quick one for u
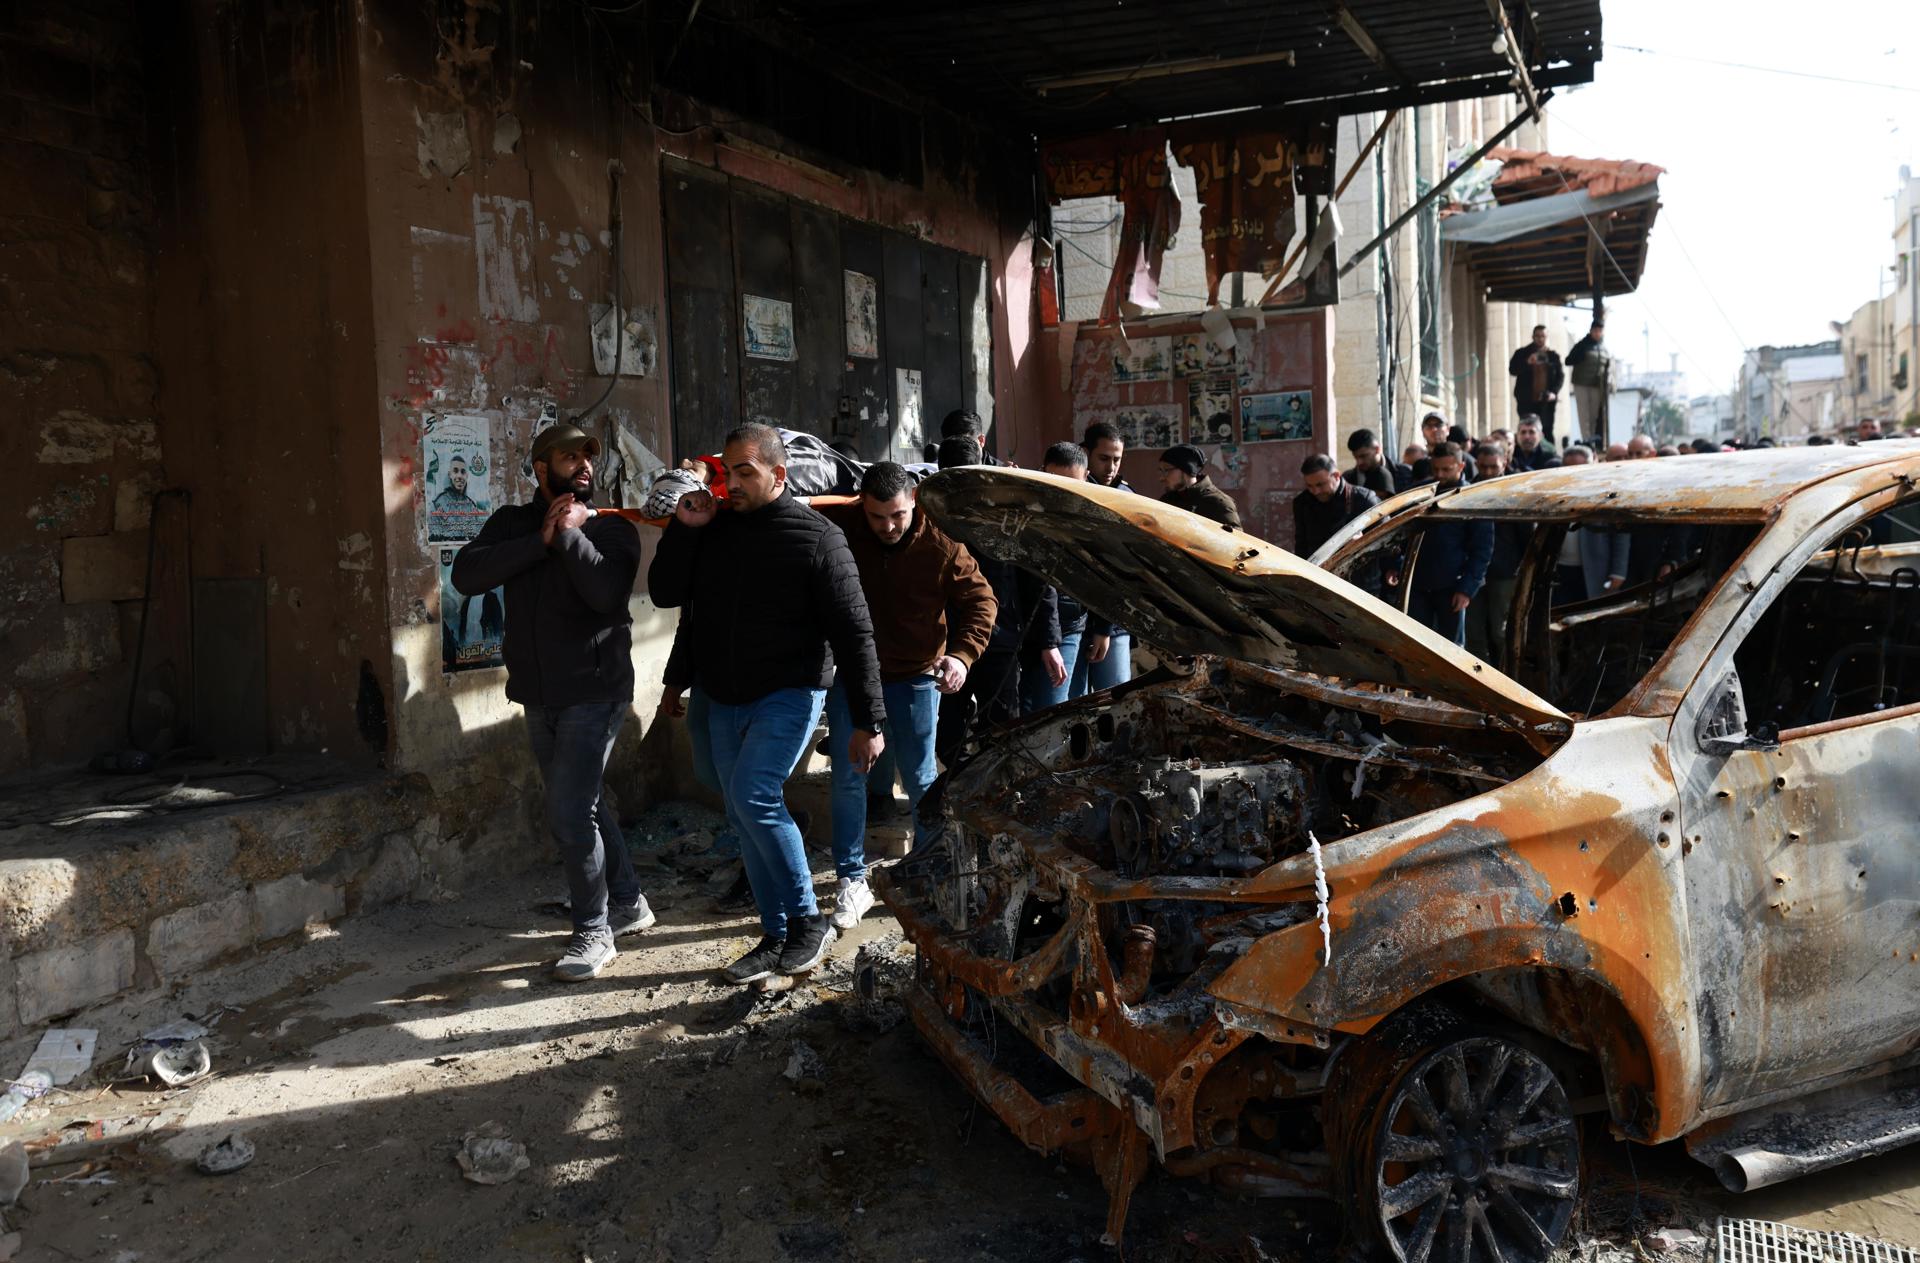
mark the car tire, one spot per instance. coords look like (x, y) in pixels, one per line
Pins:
(1451, 1140)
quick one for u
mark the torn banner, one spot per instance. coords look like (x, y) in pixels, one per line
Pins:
(1247, 182)
(1132, 167)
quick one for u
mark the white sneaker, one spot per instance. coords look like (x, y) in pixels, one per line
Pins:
(854, 899)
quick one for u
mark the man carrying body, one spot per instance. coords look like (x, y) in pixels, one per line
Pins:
(1372, 470)
(1529, 453)
(915, 576)
(1027, 609)
(1328, 503)
(1453, 559)
(1537, 379)
(568, 574)
(1106, 652)
(1189, 488)
(1591, 364)
(769, 585)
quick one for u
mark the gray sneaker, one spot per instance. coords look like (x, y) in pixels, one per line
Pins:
(631, 919)
(588, 952)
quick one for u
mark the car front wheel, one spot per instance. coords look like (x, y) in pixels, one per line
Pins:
(1463, 1147)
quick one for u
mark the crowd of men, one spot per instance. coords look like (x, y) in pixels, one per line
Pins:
(812, 589)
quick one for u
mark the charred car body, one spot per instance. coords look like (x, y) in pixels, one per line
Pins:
(1327, 906)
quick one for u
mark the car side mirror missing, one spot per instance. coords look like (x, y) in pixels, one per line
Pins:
(1723, 726)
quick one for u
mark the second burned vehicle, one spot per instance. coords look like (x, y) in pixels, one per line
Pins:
(1328, 906)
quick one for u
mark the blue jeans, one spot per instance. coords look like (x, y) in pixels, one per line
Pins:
(1037, 691)
(1435, 609)
(755, 747)
(699, 735)
(571, 745)
(1115, 668)
(913, 712)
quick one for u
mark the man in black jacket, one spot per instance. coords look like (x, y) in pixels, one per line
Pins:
(769, 586)
(1373, 470)
(568, 575)
(1328, 503)
(1537, 379)
(1529, 452)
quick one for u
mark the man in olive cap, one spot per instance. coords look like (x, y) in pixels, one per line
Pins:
(1188, 487)
(568, 574)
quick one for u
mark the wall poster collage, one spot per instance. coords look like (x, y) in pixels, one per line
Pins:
(1212, 385)
(459, 485)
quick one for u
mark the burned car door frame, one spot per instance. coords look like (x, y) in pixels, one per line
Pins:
(1803, 859)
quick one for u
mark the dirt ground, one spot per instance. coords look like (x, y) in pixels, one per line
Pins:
(659, 1120)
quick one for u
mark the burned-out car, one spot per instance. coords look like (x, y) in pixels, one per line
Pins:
(1325, 905)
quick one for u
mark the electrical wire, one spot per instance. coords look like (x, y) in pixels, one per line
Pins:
(1673, 230)
(1766, 70)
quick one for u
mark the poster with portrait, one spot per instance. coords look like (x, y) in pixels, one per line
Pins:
(1210, 408)
(1280, 416)
(863, 317)
(471, 627)
(1196, 354)
(1155, 427)
(1142, 360)
(766, 325)
(457, 477)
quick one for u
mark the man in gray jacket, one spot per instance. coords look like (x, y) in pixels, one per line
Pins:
(567, 645)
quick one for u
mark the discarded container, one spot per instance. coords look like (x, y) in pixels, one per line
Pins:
(487, 1156)
(226, 1156)
(176, 1064)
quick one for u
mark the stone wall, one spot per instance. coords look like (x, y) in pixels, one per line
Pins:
(77, 382)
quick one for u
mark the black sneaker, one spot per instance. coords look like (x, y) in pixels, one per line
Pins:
(807, 941)
(756, 964)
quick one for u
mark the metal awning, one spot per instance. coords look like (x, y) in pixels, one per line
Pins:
(1058, 68)
(1560, 227)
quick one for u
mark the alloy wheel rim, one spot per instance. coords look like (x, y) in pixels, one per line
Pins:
(1477, 1157)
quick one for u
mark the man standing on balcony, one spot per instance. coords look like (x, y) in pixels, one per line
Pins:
(1537, 379)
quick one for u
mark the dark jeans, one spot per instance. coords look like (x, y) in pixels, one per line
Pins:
(912, 706)
(988, 700)
(571, 744)
(1435, 609)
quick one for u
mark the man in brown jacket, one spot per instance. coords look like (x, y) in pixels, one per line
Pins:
(933, 614)
(1183, 474)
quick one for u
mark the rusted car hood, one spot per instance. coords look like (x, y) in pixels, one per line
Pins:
(1193, 586)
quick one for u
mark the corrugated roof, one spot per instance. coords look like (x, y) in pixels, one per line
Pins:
(1563, 261)
(996, 57)
(1526, 173)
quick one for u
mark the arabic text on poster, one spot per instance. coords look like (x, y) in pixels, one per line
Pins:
(767, 325)
(471, 627)
(459, 476)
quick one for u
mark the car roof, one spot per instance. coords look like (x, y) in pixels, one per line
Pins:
(1715, 487)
